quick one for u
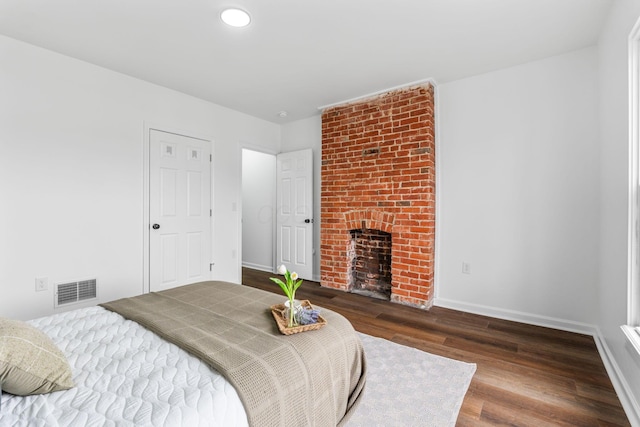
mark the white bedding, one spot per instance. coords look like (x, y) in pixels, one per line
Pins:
(125, 375)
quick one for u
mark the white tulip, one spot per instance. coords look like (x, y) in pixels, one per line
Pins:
(294, 276)
(282, 269)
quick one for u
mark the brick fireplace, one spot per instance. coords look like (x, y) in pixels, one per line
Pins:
(378, 192)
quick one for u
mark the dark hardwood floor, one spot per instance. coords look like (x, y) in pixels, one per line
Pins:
(526, 375)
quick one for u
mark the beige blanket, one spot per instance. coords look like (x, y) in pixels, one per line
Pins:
(313, 378)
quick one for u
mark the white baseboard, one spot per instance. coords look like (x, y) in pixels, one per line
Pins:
(627, 399)
(620, 384)
(518, 316)
(267, 268)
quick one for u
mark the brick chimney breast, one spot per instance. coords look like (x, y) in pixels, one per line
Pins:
(378, 180)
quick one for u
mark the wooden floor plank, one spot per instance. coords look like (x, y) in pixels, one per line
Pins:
(526, 375)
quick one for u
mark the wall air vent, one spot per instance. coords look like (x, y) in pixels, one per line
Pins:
(73, 292)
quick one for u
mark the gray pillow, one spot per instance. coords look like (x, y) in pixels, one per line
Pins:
(30, 363)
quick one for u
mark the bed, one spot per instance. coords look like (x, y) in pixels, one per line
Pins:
(207, 354)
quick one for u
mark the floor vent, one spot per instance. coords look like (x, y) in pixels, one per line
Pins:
(72, 292)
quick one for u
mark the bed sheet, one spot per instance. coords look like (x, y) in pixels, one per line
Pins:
(125, 375)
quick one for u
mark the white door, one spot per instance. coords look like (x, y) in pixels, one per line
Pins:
(294, 222)
(179, 210)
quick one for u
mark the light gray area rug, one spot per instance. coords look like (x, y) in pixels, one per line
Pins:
(408, 387)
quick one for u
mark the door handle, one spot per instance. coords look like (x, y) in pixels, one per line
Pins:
(307, 221)
(155, 226)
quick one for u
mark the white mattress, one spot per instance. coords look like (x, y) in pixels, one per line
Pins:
(125, 375)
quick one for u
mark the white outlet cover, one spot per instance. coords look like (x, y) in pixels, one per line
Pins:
(42, 284)
(466, 268)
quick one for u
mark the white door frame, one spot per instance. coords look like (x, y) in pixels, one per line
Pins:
(146, 193)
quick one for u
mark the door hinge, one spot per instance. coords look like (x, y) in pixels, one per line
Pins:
(210, 212)
(210, 158)
(211, 266)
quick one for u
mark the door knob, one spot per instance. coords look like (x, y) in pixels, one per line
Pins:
(307, 221)
(155, 226)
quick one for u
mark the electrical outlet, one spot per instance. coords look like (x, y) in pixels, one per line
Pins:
(42, 284)
(466, 268)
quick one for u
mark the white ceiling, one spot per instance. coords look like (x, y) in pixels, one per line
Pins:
(298, 55)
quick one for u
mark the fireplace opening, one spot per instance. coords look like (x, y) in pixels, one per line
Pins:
(370, 263)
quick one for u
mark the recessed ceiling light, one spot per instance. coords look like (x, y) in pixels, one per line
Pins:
(235, 17)
(282, 114)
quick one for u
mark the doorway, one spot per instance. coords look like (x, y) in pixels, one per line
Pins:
(277, 211)
(258, 207)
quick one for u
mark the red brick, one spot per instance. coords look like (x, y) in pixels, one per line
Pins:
(378, 166)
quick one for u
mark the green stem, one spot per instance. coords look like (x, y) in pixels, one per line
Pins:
(291, 313)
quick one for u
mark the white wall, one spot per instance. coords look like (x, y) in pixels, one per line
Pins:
(614, 184)
(298, 135)
(519, 201)
(258, 199)
(71, 179)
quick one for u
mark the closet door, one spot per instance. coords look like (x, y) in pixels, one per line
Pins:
(179, 211)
